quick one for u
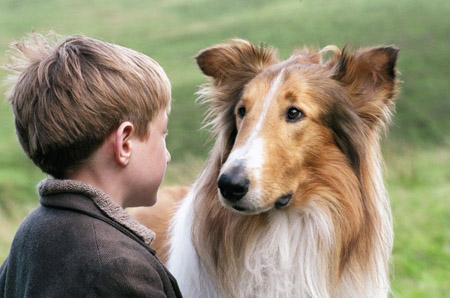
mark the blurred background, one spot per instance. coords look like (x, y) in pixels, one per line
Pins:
(416, 150)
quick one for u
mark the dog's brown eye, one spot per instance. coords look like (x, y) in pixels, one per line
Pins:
(241, 112)
(293, 114)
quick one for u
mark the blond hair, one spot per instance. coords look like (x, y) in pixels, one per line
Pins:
(69, 94)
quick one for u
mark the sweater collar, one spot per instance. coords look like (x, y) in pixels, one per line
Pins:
(102, 200)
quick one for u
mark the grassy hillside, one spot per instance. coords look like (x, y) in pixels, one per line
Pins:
(173, 31)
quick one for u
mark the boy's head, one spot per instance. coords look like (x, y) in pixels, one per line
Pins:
(69, 95)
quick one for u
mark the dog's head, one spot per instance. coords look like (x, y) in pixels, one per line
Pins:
(295, 128)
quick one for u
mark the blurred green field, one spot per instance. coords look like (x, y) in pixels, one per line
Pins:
(172, 31)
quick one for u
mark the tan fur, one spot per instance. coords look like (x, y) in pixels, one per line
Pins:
(157, 217)
(329, 161)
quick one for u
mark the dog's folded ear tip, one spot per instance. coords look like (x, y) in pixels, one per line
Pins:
(391, 51)
(203, 59)
(234, 56)
(199, 58)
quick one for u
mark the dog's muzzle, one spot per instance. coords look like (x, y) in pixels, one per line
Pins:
(233, 186)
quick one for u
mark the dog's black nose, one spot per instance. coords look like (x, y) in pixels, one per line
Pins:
(233, 186)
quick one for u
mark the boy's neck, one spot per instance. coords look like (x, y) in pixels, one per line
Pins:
(101, 173)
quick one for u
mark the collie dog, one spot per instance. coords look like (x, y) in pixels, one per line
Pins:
(291, 202)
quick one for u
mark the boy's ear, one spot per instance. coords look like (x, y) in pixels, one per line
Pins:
(122, 143)
(238, 59)
(370, 76)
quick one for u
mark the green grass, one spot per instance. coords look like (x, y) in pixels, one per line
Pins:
(418, 183)
(173, 31)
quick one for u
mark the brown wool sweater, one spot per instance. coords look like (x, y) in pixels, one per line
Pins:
(80, 243)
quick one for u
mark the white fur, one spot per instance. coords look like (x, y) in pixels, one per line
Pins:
(252, 152)
(274, 86)
(251, 155)
(291, 255)
(184, 263)
(287, 258)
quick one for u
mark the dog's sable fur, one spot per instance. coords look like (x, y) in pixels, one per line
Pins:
(334, 237)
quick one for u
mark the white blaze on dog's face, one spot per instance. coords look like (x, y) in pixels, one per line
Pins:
(297, 128)
(248, 157)
(262, 171)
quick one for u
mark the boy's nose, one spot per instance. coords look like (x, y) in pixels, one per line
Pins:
(169, 157)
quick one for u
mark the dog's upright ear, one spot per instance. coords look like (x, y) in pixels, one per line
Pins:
(238, 60)
(371, 78)
(230, 67)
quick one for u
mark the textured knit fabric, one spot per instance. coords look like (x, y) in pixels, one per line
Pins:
(79, 243)
(102, 200)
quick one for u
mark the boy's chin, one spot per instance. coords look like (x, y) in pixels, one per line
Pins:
(142, 202)
(149, 202)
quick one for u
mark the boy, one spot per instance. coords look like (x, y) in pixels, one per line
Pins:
(94, 116)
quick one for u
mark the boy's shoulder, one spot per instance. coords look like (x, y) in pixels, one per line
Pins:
(71, 244)
(77, 229)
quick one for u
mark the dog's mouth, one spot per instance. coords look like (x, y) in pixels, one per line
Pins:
(280, 203)
(283, 201)
(239, 208)
(248, 210)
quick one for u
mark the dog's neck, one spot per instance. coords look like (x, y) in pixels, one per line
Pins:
(285, 253)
